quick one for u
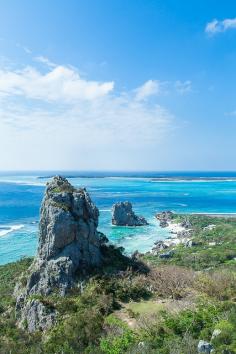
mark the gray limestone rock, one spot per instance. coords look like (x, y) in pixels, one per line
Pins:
(167, 255)
(158, 247)
(69, 243)
(123, 215)
(36, 316)
(164, 218)
(204, 347)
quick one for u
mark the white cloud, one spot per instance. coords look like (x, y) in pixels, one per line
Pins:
(60, 84)
(217, 26)
(149, 88)
(59, 120)
(183, 87)
(45, 60)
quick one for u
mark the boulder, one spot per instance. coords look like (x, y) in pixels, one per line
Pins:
(186, 224)
(204, 347)
(164, 218)
(184, 234)
(123, 215)
(158, 247)
(163, 223)
(190, 243)
(69, 244)
(166, 255)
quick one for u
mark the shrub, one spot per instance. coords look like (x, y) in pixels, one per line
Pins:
(219, 284)
(226, 336)
(119, 338)
(127, 286)
(171, 281)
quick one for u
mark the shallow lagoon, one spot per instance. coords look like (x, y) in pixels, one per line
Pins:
(21, 195)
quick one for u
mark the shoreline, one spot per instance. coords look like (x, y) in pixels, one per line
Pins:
(179, 232)
(214, 215)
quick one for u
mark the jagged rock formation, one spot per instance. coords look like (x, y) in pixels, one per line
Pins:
(159, 246)
(164, 218)
(123, 215)
(69, 244)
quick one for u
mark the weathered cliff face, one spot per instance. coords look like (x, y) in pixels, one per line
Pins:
(123, 215)
(68, 225)
(68, 244)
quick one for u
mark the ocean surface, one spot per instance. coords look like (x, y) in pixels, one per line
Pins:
(182, 192)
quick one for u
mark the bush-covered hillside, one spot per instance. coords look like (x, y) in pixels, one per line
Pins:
(165, 307)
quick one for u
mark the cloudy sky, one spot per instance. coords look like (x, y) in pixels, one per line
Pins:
(117, 85)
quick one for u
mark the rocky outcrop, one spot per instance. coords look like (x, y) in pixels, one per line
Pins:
(69, 244)
(204, 347)
(123, 215)
(158, 247)
(166, 255)
(164, 218)
(186, 223)
(36, 316)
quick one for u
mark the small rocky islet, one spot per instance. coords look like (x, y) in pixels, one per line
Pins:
(81, 294)
(123, 215)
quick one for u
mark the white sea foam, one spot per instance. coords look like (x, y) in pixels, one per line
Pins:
(4, 230)
(192, 180)
(129, 178)
(25, 183)
(212, 213)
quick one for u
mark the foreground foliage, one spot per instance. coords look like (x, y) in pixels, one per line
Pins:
(164, 308)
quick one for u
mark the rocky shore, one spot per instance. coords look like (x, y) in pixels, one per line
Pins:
(180, 233)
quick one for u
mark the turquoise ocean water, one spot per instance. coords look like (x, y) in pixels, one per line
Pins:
(185, 192)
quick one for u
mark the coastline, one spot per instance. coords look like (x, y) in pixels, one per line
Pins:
(180, 232)
(215, 215)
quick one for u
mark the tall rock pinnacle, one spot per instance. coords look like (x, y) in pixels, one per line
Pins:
(68, 225)
(69, 244)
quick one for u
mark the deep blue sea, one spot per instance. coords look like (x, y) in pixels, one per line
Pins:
(182, 192)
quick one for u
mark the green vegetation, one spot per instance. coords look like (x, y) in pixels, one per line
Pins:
(214, 247)
(161, 307)
(9, 275)
(63, 206)
(143, 307)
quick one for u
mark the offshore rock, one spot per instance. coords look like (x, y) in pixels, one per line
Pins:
(69, 243)
(123, 215)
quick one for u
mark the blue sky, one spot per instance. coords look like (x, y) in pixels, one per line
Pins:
(117, 85)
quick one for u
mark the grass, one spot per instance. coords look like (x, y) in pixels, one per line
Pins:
(145, 307)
